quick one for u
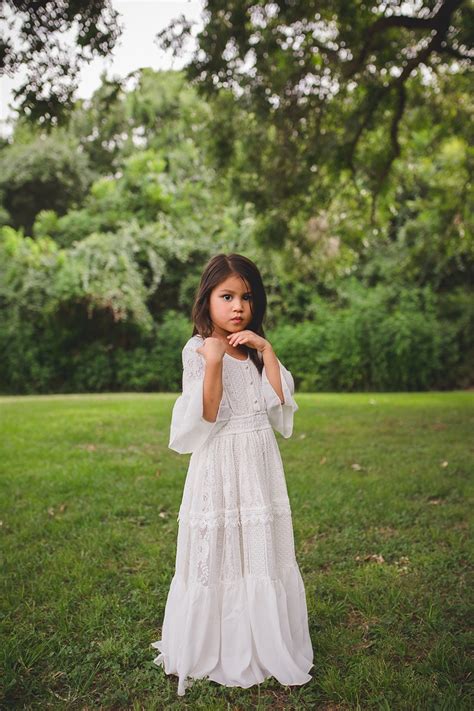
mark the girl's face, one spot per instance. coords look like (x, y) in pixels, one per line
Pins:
(230, 299)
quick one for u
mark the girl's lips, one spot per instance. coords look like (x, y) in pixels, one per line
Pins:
(237, 320)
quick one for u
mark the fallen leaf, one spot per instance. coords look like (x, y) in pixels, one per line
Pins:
(386, 530)
(402, 564)
(375, 557)
(363, 645)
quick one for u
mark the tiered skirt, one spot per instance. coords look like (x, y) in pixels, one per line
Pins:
(236, 609)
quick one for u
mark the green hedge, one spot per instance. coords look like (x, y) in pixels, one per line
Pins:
(378, 339)
(385, 339)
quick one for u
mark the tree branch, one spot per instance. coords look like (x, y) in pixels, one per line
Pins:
(438, 22)
(369, 110)
(394, 146)
(435, 45)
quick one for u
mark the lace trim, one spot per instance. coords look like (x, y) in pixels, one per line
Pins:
(193, 364)
(234, 517)
(204, 538)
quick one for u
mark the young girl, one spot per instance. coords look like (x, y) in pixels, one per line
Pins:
(236, 608)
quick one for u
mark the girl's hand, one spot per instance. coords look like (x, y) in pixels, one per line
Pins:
(250, 339)
(212, 349)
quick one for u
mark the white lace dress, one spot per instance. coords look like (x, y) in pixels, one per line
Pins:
(236, 607)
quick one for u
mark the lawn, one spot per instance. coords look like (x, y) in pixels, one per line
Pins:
(379, 483)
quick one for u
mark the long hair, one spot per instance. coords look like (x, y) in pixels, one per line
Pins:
(216, 270)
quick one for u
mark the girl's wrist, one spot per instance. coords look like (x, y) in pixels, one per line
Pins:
(267, 348)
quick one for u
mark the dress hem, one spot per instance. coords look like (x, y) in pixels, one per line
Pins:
(237, 636)
(162, 661)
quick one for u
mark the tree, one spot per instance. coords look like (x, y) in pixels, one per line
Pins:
(52, 67)
(44, 172)
(324, 74)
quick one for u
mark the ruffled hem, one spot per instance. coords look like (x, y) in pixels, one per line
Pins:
(237, 633)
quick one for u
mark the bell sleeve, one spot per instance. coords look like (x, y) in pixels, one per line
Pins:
(280, 415)
(189, 430)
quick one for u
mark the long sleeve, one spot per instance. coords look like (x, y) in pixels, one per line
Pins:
(189, 430)
(280, 416)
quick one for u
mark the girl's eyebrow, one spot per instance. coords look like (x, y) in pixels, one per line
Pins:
(229, 291)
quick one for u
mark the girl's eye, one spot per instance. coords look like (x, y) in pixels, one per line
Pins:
(248, 295)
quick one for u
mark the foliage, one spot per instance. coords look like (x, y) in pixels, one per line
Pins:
(50, 69)
(374, 296)
(104, 272)
(46, 171)
(382, 339)
(388, 338)
(325, 73)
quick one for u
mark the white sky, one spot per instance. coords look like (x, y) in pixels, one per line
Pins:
(141, 21)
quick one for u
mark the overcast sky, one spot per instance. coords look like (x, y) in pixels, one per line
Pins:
(141, 20)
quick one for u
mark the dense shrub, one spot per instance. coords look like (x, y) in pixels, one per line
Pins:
(386, 338)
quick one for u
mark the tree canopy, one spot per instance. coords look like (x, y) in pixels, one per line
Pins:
(328, 76)
(33, 39)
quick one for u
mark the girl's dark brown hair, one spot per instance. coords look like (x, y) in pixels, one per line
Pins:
(216, 270)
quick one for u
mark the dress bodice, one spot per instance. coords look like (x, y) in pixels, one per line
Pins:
(246, 392)
(241, 381)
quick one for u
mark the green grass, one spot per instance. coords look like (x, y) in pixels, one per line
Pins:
(90, 495)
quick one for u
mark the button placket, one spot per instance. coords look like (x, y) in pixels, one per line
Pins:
(250, 374)
(250, 380)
